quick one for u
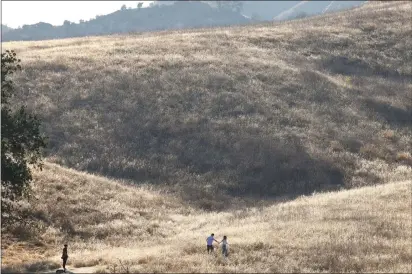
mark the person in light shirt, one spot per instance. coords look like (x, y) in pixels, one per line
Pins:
(209, 242)
(224, 246)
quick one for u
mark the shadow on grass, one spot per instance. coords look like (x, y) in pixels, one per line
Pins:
(36, 267)
(392, 115)
(205, 145)
(210, 162)
(222, 162)
(353, 66)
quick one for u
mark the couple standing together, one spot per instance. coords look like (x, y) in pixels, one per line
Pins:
(224, 243)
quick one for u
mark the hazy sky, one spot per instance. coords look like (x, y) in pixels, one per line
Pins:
(18, 13)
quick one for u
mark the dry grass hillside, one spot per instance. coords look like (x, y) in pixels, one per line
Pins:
(223, 130)
(254, 111)
(114, 227)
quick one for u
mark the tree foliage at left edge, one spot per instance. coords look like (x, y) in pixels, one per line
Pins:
(21, 142)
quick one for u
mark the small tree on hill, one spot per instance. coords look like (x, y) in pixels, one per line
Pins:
(21, 141)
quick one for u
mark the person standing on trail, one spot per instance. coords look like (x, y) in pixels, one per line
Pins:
(224, 246)
(209, 242)
(64, 257)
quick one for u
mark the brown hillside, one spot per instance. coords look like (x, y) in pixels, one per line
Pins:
(112, 227)
(262, 110)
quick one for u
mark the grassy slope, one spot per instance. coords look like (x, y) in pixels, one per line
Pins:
(259, 109)
(364, 230)
(288, 108)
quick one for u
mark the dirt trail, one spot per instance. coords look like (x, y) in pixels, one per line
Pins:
(88, 269)
(93, 269)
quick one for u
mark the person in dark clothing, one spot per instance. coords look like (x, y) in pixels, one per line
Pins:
(64, 257)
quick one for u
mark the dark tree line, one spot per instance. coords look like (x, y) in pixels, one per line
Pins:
(157, 17)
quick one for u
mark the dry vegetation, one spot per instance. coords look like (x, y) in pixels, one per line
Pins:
(263, 110)
(229, 119)
(112, 227)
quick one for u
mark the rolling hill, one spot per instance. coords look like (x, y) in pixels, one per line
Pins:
(280, 10)
(235, 131)
(182, 14)
(112, 227)
(167, 15)
(256, 111)
(268, 10)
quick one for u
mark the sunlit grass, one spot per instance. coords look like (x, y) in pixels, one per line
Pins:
(362, 230)
(222, 130)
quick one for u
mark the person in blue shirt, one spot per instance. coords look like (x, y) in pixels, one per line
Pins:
(209, 242)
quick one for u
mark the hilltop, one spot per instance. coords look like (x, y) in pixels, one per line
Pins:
(113, 227)
(157, 17)
(5, 28)
(252, 112)
(167, 15)
(280, 10)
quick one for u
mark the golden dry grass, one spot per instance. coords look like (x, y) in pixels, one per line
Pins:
(221, 118)
(359, 230)
(275, 109)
